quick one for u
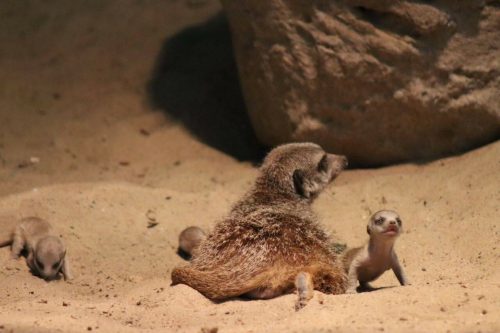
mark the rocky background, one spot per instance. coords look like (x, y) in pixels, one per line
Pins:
(379, 81)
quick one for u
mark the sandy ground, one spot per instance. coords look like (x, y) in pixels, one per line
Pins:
(114, 143)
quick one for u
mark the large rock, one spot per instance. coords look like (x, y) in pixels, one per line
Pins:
(380, 81)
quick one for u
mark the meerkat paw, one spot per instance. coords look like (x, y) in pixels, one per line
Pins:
(300, 304)
(351, 291)
(68, 277)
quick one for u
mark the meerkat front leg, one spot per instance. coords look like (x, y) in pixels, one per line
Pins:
(398, 271)
(352, 277)
(66, 270)
(365, 286)
(305, 289)
(18, 243)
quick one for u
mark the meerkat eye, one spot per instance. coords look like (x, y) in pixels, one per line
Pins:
(56, 265)
(379, 221)
(39, 264)
(323, 164)
(399, 221)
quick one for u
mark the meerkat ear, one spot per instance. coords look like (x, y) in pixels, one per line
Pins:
(299, 183)
(368, 231)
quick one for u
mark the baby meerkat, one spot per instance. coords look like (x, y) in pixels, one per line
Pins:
(46, 253)
(271, 242)
(367, 263)
(190, 238)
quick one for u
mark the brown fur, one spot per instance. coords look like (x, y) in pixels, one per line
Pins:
(271, 235)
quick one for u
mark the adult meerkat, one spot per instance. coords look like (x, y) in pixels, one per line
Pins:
(190, 238)
(367, 263)
(271, 242)
(46, 253)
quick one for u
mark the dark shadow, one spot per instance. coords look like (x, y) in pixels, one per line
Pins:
(184, 255)
(195, 81)
(360, 289)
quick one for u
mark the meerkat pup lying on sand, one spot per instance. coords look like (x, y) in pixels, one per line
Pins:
(46, 253)
(367, 263)
(271, 242)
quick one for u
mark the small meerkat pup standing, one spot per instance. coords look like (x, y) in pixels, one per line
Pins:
(190, 238)
(46, 253)
(367, 263)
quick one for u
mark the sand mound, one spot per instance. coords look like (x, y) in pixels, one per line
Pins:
(449, 209)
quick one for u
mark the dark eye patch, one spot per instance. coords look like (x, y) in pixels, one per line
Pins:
(39, 264)
(399, 221)
(56, 265)
(323, 164)
(379, 220)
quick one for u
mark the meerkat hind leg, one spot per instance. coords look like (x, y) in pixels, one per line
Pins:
(305, 289)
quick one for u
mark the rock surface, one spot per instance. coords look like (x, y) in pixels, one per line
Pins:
(380, 81)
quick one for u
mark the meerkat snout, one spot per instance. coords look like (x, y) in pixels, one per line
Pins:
(338, 163)
(340, 159)
(345, 161)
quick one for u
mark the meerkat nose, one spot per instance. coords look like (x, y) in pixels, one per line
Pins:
(345, 162)
(392, 222)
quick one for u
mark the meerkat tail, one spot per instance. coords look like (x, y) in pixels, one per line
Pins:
(215, 285)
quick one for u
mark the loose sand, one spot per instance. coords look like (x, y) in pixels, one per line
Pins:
(73, 94)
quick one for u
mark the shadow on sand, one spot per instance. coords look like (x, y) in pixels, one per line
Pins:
(195, 81)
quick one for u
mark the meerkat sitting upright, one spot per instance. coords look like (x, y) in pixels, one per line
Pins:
(271, 242)
(46, 253)
(367, 263)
